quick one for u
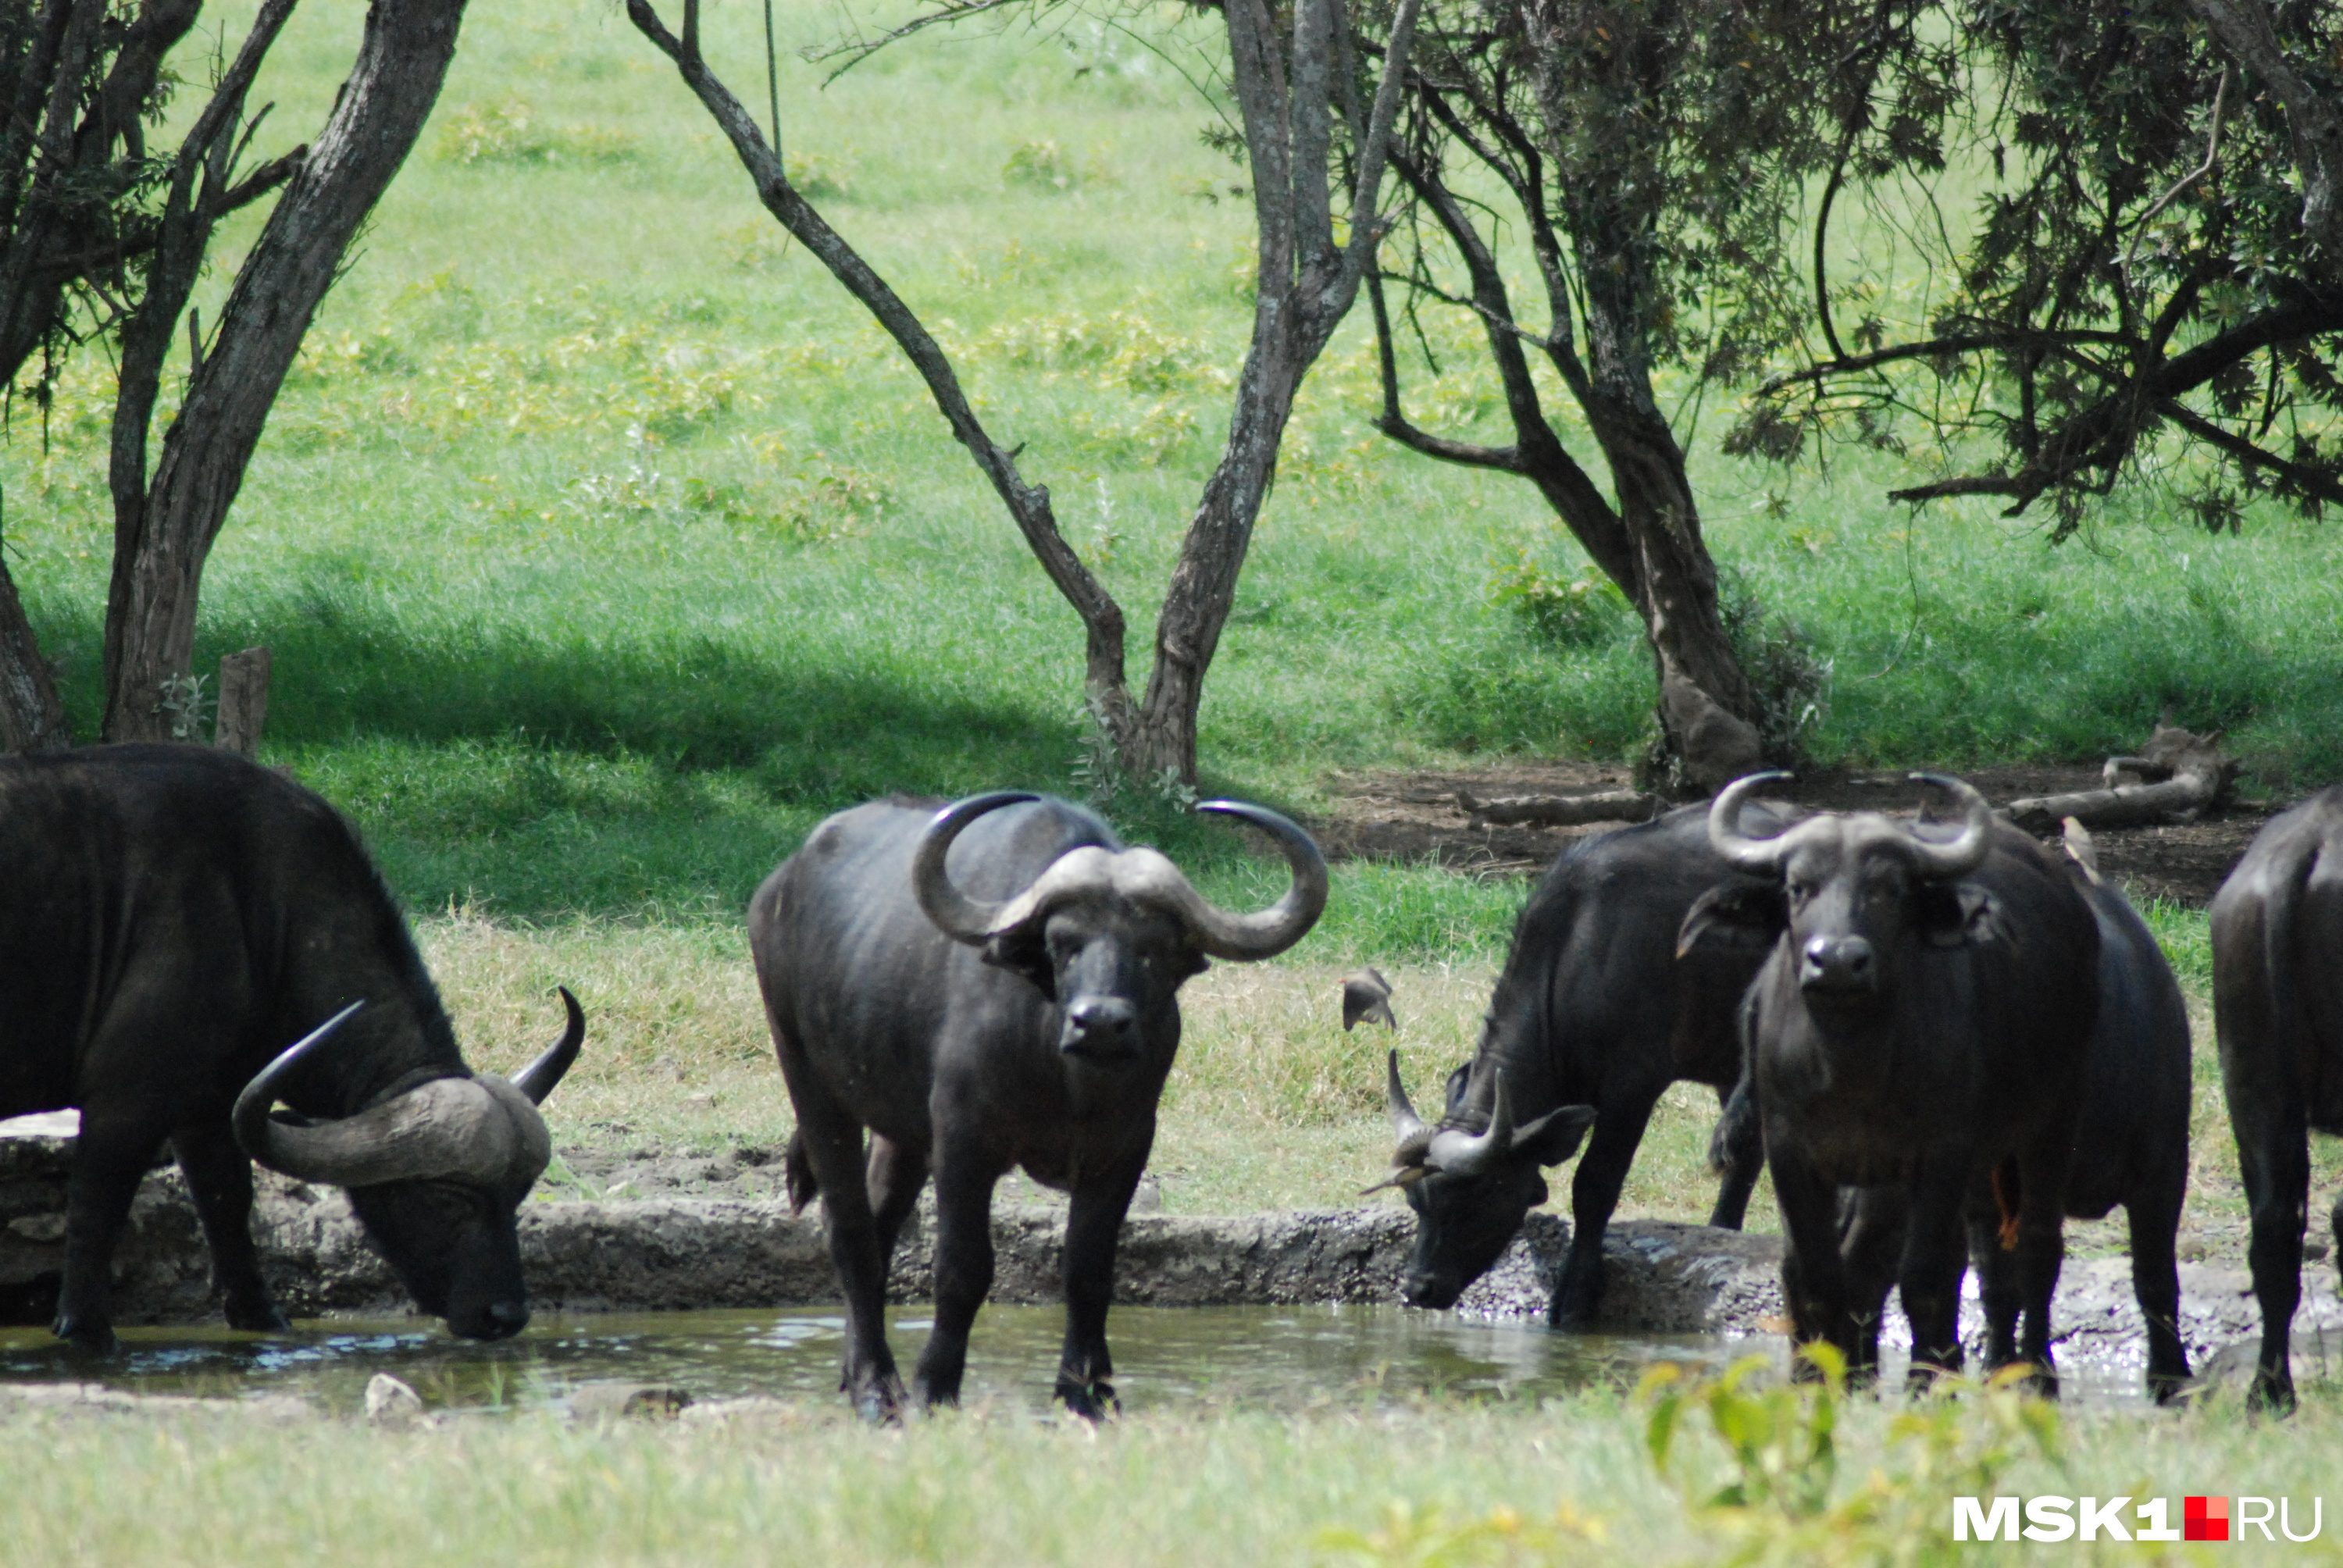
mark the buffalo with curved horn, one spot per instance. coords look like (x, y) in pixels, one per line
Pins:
(1922, 1025)
(1601, 1005)
(176, 914)
(987, 986)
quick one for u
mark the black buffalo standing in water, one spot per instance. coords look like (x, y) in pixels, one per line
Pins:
(2131, 1147)
(2278, 1008)
(173, 915)
(1605, 1000)
(1924, 1018)
(987, 986)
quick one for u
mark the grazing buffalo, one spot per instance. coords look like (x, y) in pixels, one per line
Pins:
(2278, 1008)
(2131, 1147)
(175, 915)
(987, 986)
(1923, 1023)
(1606, 999)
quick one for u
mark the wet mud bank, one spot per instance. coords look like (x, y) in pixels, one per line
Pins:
(697, 1254)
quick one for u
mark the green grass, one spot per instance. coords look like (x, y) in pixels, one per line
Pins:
(604, 548)
(1348, 1480)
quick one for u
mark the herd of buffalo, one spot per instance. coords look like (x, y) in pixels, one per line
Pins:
(1940, 1038)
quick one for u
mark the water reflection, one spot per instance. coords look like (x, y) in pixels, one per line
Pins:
(1279, 1356)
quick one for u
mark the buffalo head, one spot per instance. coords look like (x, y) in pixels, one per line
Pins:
(435, 1173)
(1852, 891)
(1471, 1186)
(1109, 935)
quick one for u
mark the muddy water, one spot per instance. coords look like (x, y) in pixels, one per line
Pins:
(1165, 1356)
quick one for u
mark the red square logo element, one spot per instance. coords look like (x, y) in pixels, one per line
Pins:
(2205, 1519)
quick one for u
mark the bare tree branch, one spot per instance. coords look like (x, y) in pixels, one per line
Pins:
(1029, 505)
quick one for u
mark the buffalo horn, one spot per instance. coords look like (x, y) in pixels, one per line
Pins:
(1967, 852)
(445, 1127)
(543, 1076)
(955, 914)
(1455, 1152)
(1405, 1123)
(1244, 938)
(1758, 857)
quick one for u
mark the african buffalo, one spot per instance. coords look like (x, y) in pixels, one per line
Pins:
(1925, 1017)
(1599, 1008)
(175, 915)
(986, 986)
(2278, 1009)
(2131, 1147)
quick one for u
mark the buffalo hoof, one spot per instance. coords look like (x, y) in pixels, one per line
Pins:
(89, 1336)
(1095, 1403)
(1575, 1314)
(2271, 1394)
(879, 1400)
(262, 1317)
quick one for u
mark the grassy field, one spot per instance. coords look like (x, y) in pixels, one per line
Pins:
(1343, 1482)
(603, 550)
(603, 547)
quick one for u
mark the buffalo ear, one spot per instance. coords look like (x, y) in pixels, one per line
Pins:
(1458, 1081)
(1024, 953)
(1743, 914)
(1555, 1136)
(1959, 915)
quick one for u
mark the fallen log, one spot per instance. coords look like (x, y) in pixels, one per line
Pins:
(1559, 811)
(2176, 777)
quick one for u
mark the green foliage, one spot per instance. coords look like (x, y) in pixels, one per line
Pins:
(2120, 285)
(1779, 1499)
(1579, 611)
(1790, 679)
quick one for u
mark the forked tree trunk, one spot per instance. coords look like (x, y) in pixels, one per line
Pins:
(1305, 284)
(165, 528)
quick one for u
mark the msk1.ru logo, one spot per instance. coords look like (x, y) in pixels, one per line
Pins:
(2094, 1518)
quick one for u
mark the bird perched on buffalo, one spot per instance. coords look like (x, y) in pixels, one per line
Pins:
(1366, 999)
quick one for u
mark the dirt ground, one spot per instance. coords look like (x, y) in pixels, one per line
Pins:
(1413, 816)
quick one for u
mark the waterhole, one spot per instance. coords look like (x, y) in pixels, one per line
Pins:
(1164, 1357)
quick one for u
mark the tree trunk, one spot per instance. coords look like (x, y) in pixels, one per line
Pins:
(164, 528)
(31, 717)
(1203, 586)
(1305, 284)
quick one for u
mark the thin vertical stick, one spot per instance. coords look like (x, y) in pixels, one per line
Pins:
(772, 78)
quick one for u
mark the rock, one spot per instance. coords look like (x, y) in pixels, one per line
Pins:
(38, 1227)
(615, 1401)
(391, 1404)
(1149, 1197)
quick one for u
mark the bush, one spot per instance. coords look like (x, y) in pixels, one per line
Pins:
(1582, 611)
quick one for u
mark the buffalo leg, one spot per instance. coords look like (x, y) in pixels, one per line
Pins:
(1737, 1152)
(898, 1172)
(109, 1161)
(1871, 1248)
(831, 1140)
(2041, 1248)
(1594, 1194)
(1997, 1287)
(2154, 1220)
(1093, 1226)
(1934, 1254)
(1814, 1281)
(963, 1269)
(220, 1178)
